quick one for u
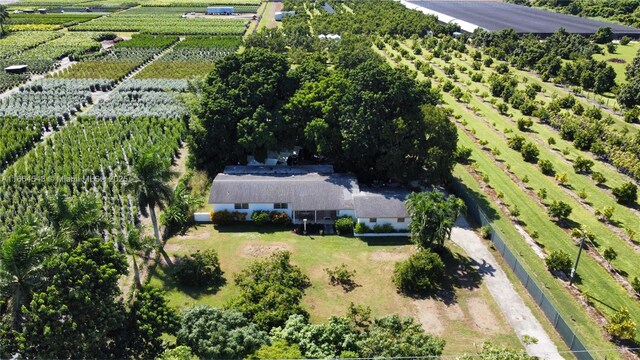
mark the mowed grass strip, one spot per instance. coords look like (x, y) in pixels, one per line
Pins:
(626, 53)
(471, 318)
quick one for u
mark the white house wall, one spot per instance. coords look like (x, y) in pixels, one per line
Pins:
(381, 221)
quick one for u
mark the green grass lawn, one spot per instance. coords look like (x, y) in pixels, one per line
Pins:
(469, 319)
(626, 53)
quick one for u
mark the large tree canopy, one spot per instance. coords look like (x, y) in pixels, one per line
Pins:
(363, 116)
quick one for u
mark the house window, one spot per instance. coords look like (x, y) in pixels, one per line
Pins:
(400, 219)
(281, 206)
(373, 220)
(241, 206)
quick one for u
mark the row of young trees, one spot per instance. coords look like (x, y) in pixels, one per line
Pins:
(546, 57)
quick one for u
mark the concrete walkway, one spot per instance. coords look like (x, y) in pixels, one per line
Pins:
(509, 301)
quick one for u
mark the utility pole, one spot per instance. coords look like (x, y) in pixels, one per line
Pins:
(575, 266)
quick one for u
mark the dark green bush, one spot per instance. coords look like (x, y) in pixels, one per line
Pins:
(344, 226)
(559, 261)
(200, 269)
(421, 274)
(261, 217)
(626, 193)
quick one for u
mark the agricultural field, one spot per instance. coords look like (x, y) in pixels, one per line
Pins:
(191, 58)
(89, 156)
(47, 22)
(520, 188)
(173, 24)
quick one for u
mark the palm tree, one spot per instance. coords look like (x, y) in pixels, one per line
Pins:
(22, 255)
(4, 15)
(149, 181)
(432, 217)
(78, 218)
(133, 243)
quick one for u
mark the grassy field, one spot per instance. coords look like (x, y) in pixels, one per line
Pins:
(465, 318)
(624, 56)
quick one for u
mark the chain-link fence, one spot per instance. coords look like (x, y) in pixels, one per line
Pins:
(538, 295)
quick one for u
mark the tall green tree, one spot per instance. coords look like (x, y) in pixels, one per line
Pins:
(271, 290)
(432, 217)
(79, 312)
(22, 254)
(219, 334)
(4, 16)
(151, 317)
(149, 181)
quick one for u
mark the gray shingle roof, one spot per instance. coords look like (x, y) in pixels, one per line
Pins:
(377, 203)
(302, 192)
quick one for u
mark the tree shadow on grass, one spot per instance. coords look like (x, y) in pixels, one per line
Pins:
(171, 284)
(387, 240)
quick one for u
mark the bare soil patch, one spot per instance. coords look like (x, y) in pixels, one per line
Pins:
(429, 312)
(388, 256)
(254, 250)
(482, 316)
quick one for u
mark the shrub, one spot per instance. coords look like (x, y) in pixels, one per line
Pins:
(621, 326)
(280, 218)
(546, 167)
(362, 228)
(625, 40)
(626, 193)
(632, 115)
(260, 217)
(383, 229)
(610, 254)
(222, 218)
(421, 274)
(605, 213)
(502, 68)
(487, 62)
(200, 269)
(463, 154)
(476, 77)
(582, 165)
(341, 275)
(529, 152)
(485, 232)
(635, 284)
(344, 226)
(598, 177)
(524, 124)
(562, 178)
(551, 141)
(559, 261)
(559, 210)
(516, 142)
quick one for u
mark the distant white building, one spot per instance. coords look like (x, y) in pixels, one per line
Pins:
(281, 14)
(314, 193)
(220, 10)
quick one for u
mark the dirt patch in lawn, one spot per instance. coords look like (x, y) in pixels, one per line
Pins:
(482, 316)
(389, 256)
(428, 312)
(254, 250)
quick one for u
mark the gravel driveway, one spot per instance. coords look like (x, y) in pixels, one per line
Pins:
(509, 301)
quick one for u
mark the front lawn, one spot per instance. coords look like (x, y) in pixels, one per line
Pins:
(465, 317)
